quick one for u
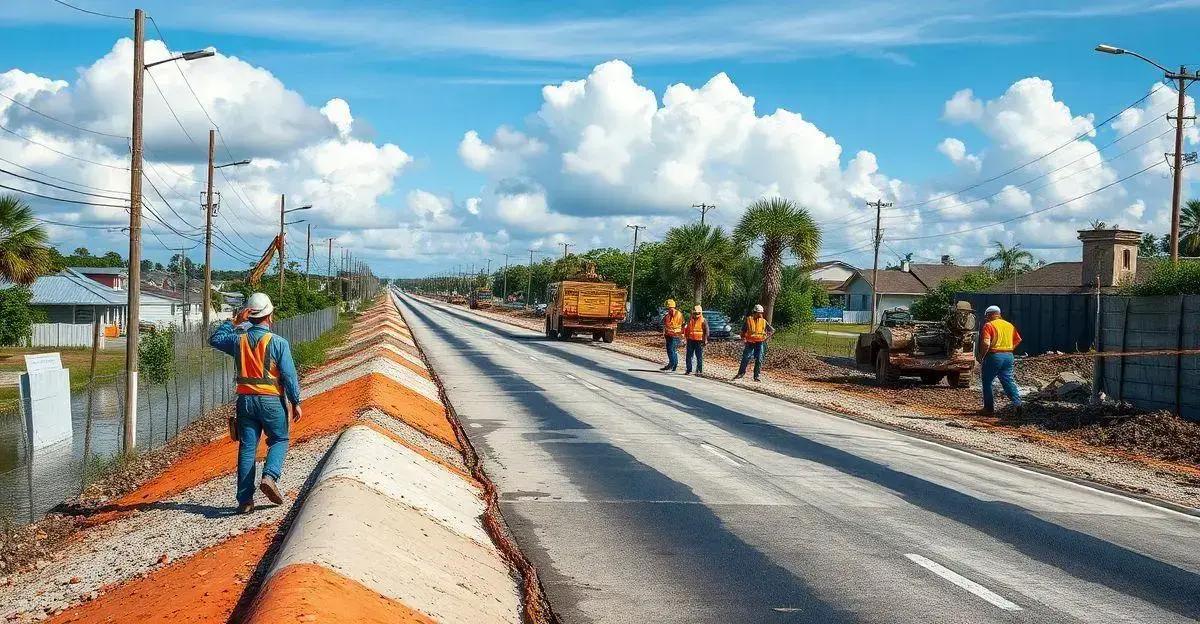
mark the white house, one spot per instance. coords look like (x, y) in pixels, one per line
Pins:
(896, 287)
(832, 275)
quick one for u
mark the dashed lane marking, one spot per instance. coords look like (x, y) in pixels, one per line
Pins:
(963, 582)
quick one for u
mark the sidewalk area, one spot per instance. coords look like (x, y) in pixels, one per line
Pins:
(174, 550)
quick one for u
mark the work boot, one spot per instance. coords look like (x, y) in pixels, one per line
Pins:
(757, 379)
(738, 376)
(269, 488)
(245, 509)
(687, 372)
(667, 367)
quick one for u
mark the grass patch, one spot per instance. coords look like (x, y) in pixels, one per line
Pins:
(316, 352)
(822, 344)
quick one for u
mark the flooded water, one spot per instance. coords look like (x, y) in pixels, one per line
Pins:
(28, 489)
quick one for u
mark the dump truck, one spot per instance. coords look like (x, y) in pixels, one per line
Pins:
(932, 350)
(481, 299)
(456, 299)
(585, 304)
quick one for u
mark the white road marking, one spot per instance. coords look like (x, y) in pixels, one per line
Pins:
(963, 582)
(723, 456)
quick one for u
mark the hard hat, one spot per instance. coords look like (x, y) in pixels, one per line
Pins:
(259, 305)
(670, 303)
(697, 309)
(758, 307)
(991, 309)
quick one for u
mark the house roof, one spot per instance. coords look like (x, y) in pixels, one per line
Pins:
(1063, 278)
(68, 287)
(918, 280)
(829, 263)
(100, 270)
(833, 287)
(933, 274)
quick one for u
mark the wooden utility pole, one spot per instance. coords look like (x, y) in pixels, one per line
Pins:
(505, 296)
(704, 208)
(208, 215)
(329, 267)
(133, 307)
(566, 246)
(878, 205)
(307, 255)
(183, 284)
(633, 266)
(529, 283)
(1183, 79)
(282, 268)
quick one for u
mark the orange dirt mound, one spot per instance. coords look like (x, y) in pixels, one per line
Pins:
(306, 592)
(324, 414)
(201, 589)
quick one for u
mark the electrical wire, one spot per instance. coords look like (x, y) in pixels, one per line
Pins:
(63, 180)
(96, 13)
(60, 199)
(61, 153)
(111, 228)
(65, 123)
(70, 190)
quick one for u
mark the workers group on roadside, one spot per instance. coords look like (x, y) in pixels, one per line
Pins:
(694, 330)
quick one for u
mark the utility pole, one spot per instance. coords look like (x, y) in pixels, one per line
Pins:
(329, 267)
(505, 297)
(878, 205)
(307, 255)
(704, 208)
(529, 283)
(183, 284)
(281, 250)
(566, 246)
(208, 215)
(633, 265)
(1183, 79)
(133, 307)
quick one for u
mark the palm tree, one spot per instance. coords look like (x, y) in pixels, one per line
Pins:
(779, 225)
(1189, 228)
(23, 251)
(1009, 261)
(701, 254)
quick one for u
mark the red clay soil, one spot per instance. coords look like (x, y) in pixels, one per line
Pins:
(324, 414)
(306, 592)
(201, 589)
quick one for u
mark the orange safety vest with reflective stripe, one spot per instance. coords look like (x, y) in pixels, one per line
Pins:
(756, 330)
(673, 323)
(255, 375)
(694, 330)
(1003, 335)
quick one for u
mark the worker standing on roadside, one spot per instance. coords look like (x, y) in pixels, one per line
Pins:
(266, 383)
(696, 333)
(755, 333)
(996, 344)
(672, 331)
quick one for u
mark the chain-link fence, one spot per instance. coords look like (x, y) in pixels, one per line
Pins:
(195, 380)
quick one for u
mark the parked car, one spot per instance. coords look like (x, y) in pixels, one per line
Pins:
(719, 325)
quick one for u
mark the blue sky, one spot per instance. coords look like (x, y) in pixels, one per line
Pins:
(871, 76)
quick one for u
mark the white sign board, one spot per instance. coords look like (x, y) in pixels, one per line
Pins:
(38, 362)
(46, 398)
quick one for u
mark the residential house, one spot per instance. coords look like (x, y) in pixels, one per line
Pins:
(69, 297)
(831, 276)
(116, 278)
(1110, 259)
(896, 287)
(163, 306)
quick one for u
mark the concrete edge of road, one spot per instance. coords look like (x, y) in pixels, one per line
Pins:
(924, 437)
(390, 531)
(536, 607)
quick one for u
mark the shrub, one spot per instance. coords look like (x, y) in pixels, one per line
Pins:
(16, 317)
(1168, 278)
(933, 306)
(156, 355)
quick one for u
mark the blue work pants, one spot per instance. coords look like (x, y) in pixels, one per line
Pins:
(256, 415)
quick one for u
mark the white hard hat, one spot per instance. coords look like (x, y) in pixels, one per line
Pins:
(259, 305)
(991, 309)
(758, 307)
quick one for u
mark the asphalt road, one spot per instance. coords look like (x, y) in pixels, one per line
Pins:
(644, 496)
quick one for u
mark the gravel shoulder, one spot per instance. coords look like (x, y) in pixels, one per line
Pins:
(942, 414)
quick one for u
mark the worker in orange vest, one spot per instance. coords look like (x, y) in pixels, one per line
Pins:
(996, 343)
(696, 333)
(755, 333)
(673, 332)
(266, 383)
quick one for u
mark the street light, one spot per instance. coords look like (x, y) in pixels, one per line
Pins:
(133, 308)
(232, 164)
(1182, 79)
(282, 265)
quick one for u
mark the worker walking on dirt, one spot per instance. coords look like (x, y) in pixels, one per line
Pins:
(996, 344)
(673, 332)
(696, 333)
(755, 333)
(266, 383)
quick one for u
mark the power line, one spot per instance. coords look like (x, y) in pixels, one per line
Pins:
(61, 153)
(111, 228)
(98, 14)
(65, 123)
(64, 188)
(60, 199)
(63, 180)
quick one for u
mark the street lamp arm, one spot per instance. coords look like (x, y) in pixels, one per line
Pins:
(186, 56)
(232, 164)
(1108, 49)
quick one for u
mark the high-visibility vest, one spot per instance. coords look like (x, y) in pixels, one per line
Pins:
(255, 373)
(1002, 333)
(756, 330)
(694, 330)
(673, 323)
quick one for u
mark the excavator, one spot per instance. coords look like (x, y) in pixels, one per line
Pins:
(257, 271)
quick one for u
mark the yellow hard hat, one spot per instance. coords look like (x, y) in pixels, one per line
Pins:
(670, 303)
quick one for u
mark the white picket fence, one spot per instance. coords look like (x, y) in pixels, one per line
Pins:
(62, 335)
(856, 316)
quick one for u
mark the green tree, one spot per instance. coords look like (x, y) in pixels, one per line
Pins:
(16, 317)
(23, 251)
(156, 355)
(1007, 261)
(1189, 228)
(1168, 278)
(700, 255)
(1149, 246)
(779, 225)
(933, 306)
